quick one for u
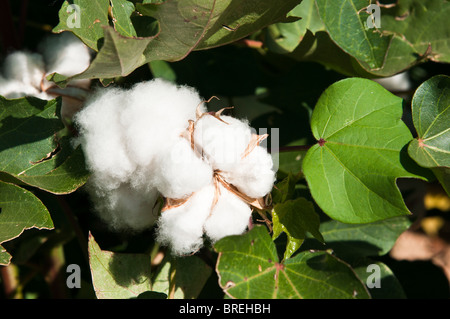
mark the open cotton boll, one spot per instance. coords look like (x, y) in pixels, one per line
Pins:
(101, 137)
(157, 113)
(222, 143)
(181, 171)
(67, 55)
(230, 216)
(254, 174)
(181, 228)
(14, 89)
(124, 209)
(25, 67)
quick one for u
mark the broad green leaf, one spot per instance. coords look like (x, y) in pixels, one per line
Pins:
(431, 117)
(295, 218)
(248, 267)
(344, 21)
(19, 210)
(118, 275)
(409, 33)
(85, 18)
(284, 37)
(32, 153)
(184, 26)
(353, 168)
(28, 128)
(64, 179)
(181, 278)
(361, 240)
(423, 25)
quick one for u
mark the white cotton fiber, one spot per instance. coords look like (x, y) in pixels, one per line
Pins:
(181, 171)
(101, 137)
(230, 216)
(124, 208)
(181, 228)
(133, 137)
(254, 174)
(65, 53)
(25, 67)
(157, 113)
(222, 143)
(14, 89)
(24, 72)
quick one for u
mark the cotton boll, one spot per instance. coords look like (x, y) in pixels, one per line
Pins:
(254, 175)
(181, 171)
(181, 227)
(222, 143)
(101, 136)
(124, 209)
(158, 112)
(14, 89)
(25, 67)
(67, 55)
(230, 216)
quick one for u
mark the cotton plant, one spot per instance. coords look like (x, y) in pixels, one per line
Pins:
(157, 141)
(24, 73)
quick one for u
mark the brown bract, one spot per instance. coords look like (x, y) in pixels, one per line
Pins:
(218, 179)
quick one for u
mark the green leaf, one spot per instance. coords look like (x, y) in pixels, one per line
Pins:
(389, 286)
(184, 26)
(284, 190)
(248, 267)
(410, 32)
(27, 132)
(284, 37)
(344, 21)
(19, 210)
(422, 25)
(85, 18)
(181, 278)
(31, 153)
(443, 176)
(361, 240)
(431, 117)
(295, 218)
(162, 69)
(64, 179)
(352, 171)
(118, 275)
(121, 11)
